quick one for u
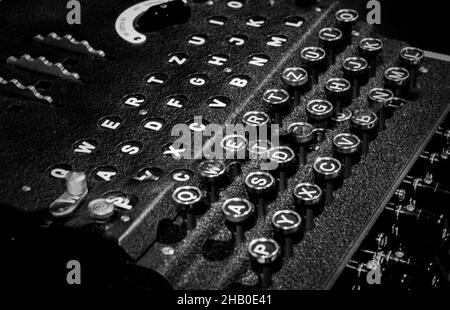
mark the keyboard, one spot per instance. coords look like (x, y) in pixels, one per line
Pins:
(230, 144)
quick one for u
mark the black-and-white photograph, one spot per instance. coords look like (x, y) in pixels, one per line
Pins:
(225, 150)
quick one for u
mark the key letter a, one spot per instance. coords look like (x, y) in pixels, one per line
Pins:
(74, 15)
(374, 16)
(374, 275)
(74, 274)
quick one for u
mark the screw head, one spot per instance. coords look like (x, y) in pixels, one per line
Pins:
(167, 250)
(423, 70)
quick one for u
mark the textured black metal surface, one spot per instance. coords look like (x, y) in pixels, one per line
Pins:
(201, 254)
(321, 254)
(43, 135)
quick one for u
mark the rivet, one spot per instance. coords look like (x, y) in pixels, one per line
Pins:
(167, 250)
(423, 70)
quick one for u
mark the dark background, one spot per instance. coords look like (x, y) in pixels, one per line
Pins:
(421, 23)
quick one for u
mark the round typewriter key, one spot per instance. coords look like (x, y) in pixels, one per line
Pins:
(392, 105)
(258, 149)
(287, 225)
(338, 91)
(377, 98)
(370, 49)
(356, 70)
(346, 17)
(100, 209)
(156, 79)
(218, 102)
(346, 147)
(260, 188)
(280, 136)
(314, 60)
(188, 198)
(147, 174)
(197, 124)
(129, 147)
(364, 123)
(294, 21)
(212, 172)
(181, 175)
(235, 147)
(345, 20)
(278, 100)
(256, 21)
(342, 118)
(319, 114)
(303, 134)
(236, 211)
(216, 20)
(121, 200)
(411, 58)
(237, 40)
(264, 252)
(283, 158)
(134, 101)
(332, 41)
(105, 173)
(216, 60)
(59, 171)
(198, 80)
(308, 202)
(397, 80)
(257, 121)
(326, 171)
(296, 81)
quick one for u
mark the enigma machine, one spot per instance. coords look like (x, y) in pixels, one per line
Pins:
(222, 144)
